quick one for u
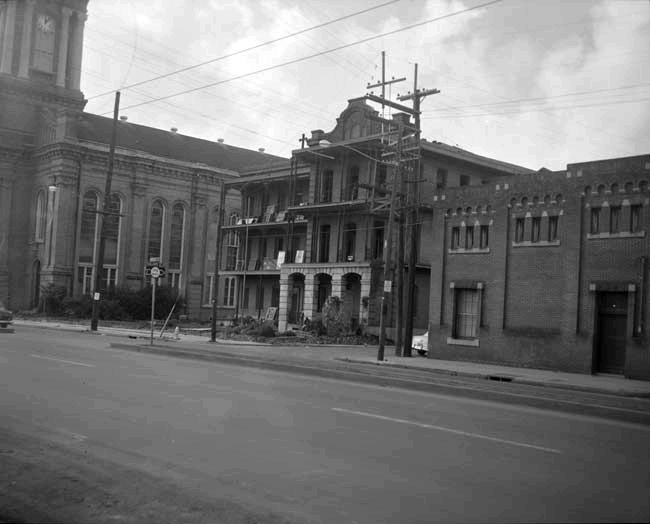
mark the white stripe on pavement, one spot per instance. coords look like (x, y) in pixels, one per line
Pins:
(63, 361)
(449, 430)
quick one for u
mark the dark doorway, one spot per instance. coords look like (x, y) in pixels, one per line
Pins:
(36, 284)
(612, 328)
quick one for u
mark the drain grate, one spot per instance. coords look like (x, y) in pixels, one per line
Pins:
(499, 378)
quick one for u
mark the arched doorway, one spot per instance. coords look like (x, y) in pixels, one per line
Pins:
(36, 284)
(323, 290)
(296, 298)
(352, 298)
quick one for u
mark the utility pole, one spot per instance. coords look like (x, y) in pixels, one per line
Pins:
(217, 259)
(412, 214)
(388, 247)
(106, 206)
(397, 177)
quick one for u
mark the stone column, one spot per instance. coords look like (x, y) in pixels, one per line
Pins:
(284, 304)
(309, 297)
(63, 47)
(8, 37)
(74, 66)
(26, 46)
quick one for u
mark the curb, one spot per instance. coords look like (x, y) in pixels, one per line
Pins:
(500, 378)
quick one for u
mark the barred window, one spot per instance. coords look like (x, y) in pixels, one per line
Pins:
(467, 313)
(455, 237)
(552, 228)
(535, 227)
(595, 220)
(614, 219)
(112, 222)
(635, 218)
(469, 237)
(519, 229)
(485, 237)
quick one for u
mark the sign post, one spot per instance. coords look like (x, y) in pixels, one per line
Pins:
(156, 273)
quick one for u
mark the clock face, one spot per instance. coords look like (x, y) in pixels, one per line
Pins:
(46, 24)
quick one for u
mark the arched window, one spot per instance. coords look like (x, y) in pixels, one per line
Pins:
(41, 217)
(176, 245)
(87, 241)
(156, 220)
(112, 228)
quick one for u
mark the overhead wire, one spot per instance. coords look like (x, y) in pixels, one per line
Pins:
(257, 46)
(327, 51)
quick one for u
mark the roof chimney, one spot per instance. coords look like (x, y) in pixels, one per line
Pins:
(261, 150)
(124, 118)
(220, 140)
(174, 130)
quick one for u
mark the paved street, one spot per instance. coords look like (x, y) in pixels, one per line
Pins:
(210, 442)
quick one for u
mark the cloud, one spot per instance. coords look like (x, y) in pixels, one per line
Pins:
(488, 64)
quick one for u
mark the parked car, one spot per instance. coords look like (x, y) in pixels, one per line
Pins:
(6, 318)
(421, 343)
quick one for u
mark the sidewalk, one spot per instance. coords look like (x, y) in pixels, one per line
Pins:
(367, 355)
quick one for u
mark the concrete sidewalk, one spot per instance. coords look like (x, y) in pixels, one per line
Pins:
(367, 355)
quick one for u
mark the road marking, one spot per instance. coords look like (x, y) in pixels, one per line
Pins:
(63, 361)
(449, 430)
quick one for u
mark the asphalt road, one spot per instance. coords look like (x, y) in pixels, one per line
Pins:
(230, 444)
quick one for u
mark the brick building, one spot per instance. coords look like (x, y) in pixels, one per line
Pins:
(545, 270)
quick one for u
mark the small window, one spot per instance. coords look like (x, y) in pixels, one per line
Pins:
(464, 180)
(441, 178)
(469, 237)
(614, 219)
(455, 237)
(552, 228)
(519, 229)
(485, 238)
(635, 218)
(534, 230)
(595, 220)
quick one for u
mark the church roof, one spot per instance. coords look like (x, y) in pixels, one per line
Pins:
(173, 145)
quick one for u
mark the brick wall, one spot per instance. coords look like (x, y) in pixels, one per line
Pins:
(537, 309)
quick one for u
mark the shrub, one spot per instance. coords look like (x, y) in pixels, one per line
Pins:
(53, 297)
(266, 330)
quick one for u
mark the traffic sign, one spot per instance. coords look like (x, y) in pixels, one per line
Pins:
(155, 272)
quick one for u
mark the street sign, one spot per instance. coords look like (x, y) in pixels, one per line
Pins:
(155, 272)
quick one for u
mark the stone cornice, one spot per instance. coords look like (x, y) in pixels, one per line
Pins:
(127, 161)
(25, 89)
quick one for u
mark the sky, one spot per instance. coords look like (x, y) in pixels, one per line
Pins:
(539, 84)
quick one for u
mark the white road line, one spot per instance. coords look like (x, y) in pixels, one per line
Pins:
(63, 361)
(449, 430)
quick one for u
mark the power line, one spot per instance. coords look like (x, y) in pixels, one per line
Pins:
(321, 53)
(257, 46)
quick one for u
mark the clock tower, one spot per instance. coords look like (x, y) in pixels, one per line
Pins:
(41, 44)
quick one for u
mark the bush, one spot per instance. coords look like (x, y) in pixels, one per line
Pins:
(53, 297)
(77, 307)
(266, 330)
